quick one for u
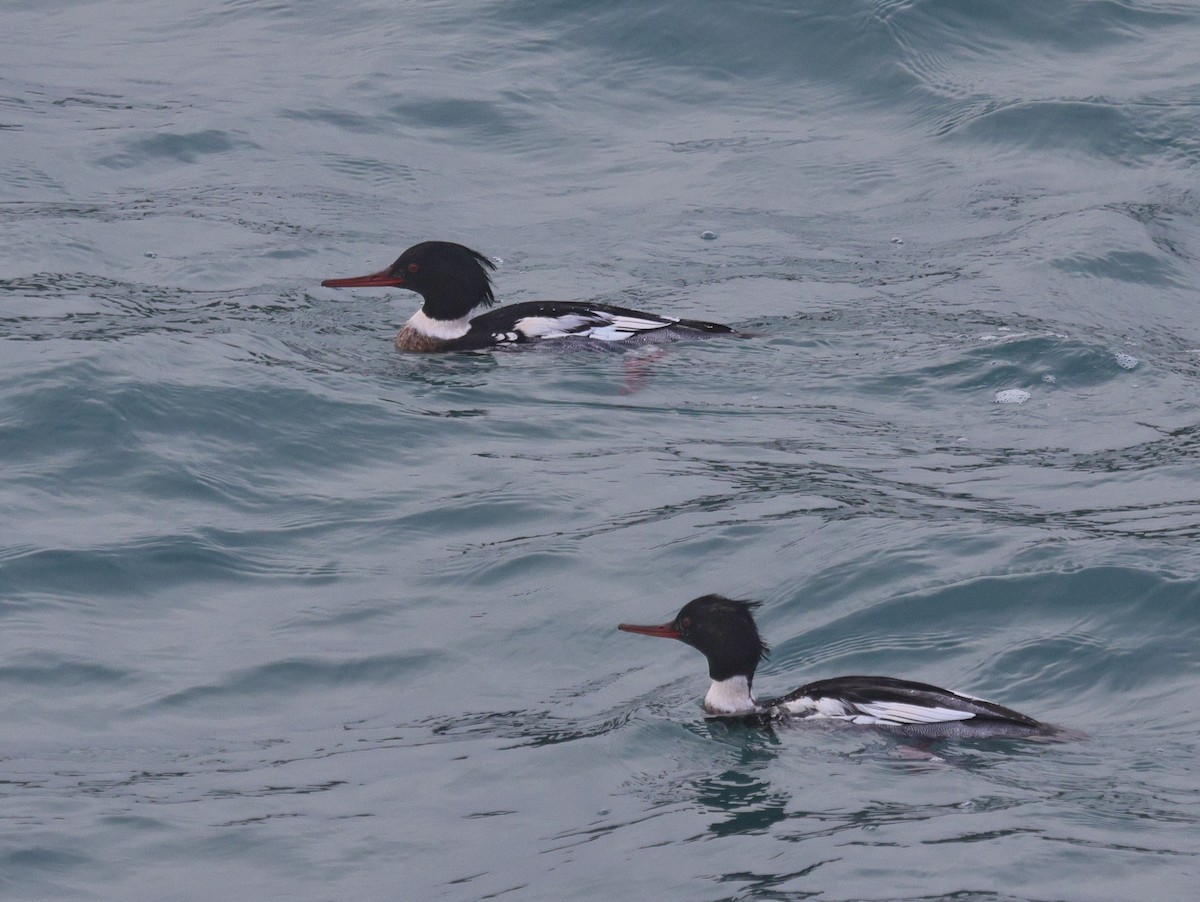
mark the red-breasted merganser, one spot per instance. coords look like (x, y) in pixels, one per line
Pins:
(454, 280)
(723, 630)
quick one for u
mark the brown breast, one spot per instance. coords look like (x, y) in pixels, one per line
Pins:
(410, 339)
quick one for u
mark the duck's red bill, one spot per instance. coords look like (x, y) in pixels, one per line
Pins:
(666, 631)
(381, 279)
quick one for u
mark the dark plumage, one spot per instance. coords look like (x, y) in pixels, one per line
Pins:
(453, 280)
(724, 631)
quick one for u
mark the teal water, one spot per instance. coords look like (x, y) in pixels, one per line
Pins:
(284, 614)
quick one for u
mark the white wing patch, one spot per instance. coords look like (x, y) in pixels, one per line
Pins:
(551, 326)
(597, 324)
(818, 707)
(621, 327)
(865, 713)
(899, 712)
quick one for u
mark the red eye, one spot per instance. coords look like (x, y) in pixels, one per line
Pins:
(414, 267)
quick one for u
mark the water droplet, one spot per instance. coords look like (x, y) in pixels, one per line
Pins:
(897, 240)
(708, 236)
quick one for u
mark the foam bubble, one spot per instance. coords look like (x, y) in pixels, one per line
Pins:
(1012, 396)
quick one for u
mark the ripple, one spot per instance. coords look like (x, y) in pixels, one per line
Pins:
(176, 148)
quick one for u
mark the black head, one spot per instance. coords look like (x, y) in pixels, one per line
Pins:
(452, 279)
(721, 628)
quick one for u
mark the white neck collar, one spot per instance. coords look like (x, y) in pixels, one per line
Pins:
(444, 329)
(731, 696)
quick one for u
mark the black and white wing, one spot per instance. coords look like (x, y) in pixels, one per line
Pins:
(883, 701)
(596, 324)
(542, 320)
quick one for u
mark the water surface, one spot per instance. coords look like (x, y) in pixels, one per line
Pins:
(286, 614)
